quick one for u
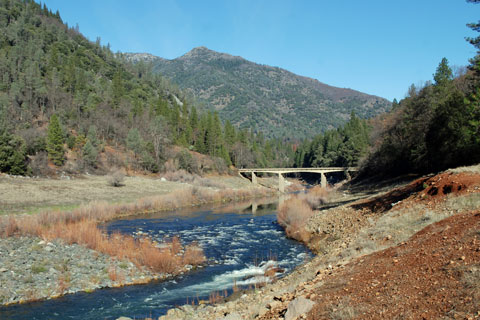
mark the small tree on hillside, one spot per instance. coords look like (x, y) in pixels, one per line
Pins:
(135, 142)
(55, 140)
(90, 154)
(12, 154)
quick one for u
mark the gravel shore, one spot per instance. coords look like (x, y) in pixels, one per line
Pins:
(32, 269)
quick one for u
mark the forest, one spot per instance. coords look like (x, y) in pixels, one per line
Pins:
(67, 100)
(435, 127)
(63, 97)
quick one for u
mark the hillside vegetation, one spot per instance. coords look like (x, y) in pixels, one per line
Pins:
(69, 103)
(434, 128)
(267, 99)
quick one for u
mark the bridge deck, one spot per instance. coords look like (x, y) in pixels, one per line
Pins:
(292, 170)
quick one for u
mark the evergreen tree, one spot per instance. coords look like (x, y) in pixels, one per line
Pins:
(55, 140)
(12, 154)
(134, 141)
(117, 87)
(92, 136)
(90, 154)
(443, 73)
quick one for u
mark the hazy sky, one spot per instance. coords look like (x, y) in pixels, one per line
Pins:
(375, 46)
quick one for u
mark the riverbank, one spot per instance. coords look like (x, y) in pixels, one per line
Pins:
(49, 234)
(34, 269)
(412, 250)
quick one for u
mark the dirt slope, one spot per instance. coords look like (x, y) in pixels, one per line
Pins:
(425, 239)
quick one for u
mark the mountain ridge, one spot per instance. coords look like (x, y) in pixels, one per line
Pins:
(264, 98)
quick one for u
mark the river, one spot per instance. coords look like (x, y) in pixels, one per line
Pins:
(240, 241)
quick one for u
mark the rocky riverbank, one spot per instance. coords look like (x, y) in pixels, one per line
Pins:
(32, 269)
(373, 259)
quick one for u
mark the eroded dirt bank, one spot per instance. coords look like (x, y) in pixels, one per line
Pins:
(412, 252)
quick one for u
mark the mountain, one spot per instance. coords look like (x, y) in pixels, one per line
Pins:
(264, 98)
(70, 103)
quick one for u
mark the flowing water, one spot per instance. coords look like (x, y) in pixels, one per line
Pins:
(240, 241)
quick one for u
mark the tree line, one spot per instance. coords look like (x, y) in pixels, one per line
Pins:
(433, 128)
(62, 94)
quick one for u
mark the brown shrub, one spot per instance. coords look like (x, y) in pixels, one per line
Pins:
(176, 245)
(293, 215)
(116, 179)
(193, 254)
(316, 196)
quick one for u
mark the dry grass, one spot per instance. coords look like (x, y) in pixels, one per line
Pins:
(316, 196)
(32, 195)
(79, 225)
(142, 252)
(473, 169)
(217, 296)
(193, 254)
(293, 215)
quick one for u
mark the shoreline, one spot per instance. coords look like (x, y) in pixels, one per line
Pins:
(349, 238)
(115, 276)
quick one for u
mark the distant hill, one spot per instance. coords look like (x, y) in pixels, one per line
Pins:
(267, 99)
(69, 103)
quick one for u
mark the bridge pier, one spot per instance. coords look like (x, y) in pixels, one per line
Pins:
(281, 183)
(323, 181)
(254, 179)
(347, 175)
(281, 171)
(254, 207)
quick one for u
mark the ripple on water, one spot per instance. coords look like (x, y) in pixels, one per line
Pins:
(242, 245)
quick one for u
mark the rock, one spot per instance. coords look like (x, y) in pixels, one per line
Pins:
(187, 308)
(3, 270)
(124, 318)
(231, 316)
(274, 304)
(298, 307)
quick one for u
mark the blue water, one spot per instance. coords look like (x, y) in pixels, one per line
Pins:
(240, 245)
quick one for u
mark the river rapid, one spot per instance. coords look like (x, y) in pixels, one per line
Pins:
(240, 241)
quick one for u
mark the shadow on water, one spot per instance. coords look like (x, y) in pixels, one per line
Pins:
(239, 239)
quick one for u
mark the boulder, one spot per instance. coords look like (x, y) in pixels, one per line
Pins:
(298, 307)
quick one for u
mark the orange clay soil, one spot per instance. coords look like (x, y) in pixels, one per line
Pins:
(433, 275)
(436, 273)
(430, 189)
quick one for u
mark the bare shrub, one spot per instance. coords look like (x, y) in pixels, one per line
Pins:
(219, 165)
(179, 176)
(343, 310)
(209, 183)
(293, 215)
(142, 252)
(175, 245)
(171, 165)
(10, 226)
(116, 179)
(39, 164)
(193, 254)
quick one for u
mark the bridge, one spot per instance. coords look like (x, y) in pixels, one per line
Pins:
(281, 171)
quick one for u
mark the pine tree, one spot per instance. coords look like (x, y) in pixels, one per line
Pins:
(443, 73)
(134, 141)
(55, 140)
(90, 154)
(12, 154)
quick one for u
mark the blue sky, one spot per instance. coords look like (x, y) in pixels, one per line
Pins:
(379, 47)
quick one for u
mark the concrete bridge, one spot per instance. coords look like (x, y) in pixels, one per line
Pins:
(281, 171)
